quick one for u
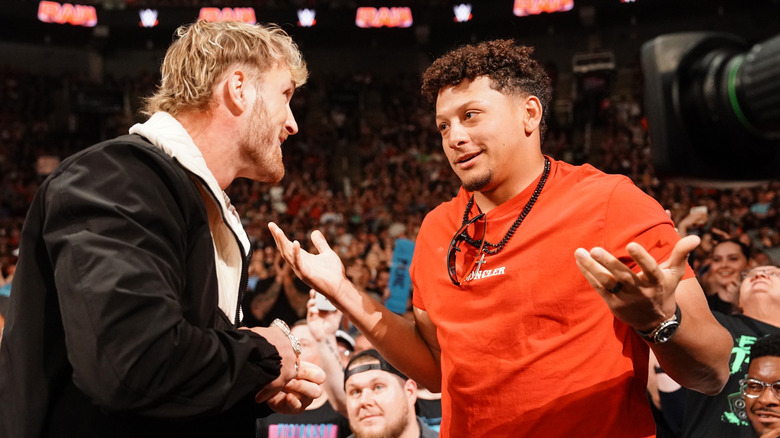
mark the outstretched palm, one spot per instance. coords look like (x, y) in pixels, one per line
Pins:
(323, 271)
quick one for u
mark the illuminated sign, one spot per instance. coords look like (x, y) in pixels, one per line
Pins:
(247, 15)
(307, 17)
(148, 17)
(535, 7)
(383, 17)
(462, 12)
(77, 15)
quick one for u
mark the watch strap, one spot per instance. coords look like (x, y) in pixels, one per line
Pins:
(652, 335)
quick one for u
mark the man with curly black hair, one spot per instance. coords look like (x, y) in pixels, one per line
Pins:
(506, 322)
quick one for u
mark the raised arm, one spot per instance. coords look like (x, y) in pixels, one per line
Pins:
(323, 326)
(697, 354)
(411, 346)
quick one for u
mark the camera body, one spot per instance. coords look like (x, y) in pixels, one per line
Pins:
(713, 107)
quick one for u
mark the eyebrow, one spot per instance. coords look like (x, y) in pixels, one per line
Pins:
(373, 380)
(464, 105)
(770, 381)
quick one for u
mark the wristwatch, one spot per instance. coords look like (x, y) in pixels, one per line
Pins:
(665, 330)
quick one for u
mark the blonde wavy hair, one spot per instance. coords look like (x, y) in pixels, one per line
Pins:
(203, 51)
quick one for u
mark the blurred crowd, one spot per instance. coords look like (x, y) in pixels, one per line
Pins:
(364, 169)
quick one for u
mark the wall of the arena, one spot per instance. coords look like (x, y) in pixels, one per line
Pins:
(46, 48)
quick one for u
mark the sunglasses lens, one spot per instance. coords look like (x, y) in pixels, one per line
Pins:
(462, 257)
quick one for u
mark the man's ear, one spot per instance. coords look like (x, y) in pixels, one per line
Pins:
(410, 386)
(533, 114)
(236, 91)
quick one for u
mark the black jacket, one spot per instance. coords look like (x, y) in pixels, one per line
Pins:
(114, 328)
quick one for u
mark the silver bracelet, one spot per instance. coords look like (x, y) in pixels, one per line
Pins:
(296, 344)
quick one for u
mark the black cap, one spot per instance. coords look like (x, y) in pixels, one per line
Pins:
(383, 365)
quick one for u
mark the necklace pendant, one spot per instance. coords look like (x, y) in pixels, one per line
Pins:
(479, 264)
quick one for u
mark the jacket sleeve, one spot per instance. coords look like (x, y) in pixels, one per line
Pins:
(116, 230)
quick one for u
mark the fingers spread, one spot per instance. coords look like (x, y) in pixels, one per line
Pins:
(601, 264)
(604, 271)
(296, 251)
(584, 263)
(609, 262)
(676, 262)
(276, 232)
(681, 250)
(645, 261)
(319, 241)
(278, 235)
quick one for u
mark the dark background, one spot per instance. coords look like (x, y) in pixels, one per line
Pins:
(590, 26)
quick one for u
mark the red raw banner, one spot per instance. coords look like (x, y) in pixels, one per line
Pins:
(247, 15)
(77, 15)
(536, 7)
(383, 17)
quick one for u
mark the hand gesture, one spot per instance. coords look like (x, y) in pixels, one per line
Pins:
(695, 219)
(298, 393)
(641, 300)
(321, 323)
(323, 271)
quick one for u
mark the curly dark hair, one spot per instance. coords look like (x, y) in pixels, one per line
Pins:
(508, 65)
(769, 345)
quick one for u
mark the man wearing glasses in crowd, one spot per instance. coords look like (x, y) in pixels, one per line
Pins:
(725, 414)
(762, 406)
(506, 321)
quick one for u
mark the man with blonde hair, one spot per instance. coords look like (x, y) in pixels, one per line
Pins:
(125, 316)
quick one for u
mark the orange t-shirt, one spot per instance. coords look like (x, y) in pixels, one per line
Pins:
(529, 349)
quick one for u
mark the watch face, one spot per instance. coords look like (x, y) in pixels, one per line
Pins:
(666, 332)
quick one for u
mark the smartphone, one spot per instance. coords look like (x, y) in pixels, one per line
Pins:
(699, 209)
(323, 304)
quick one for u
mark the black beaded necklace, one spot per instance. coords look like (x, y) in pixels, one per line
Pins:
(493, 248)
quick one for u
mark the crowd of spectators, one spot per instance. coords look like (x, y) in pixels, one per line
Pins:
(364, 169)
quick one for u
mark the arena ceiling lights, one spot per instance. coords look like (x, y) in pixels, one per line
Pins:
(365, 17)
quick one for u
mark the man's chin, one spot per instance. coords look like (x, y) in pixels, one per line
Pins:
(278, 177)
(271, 177)
(369, 429)
(763, 425)
(476, 185)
